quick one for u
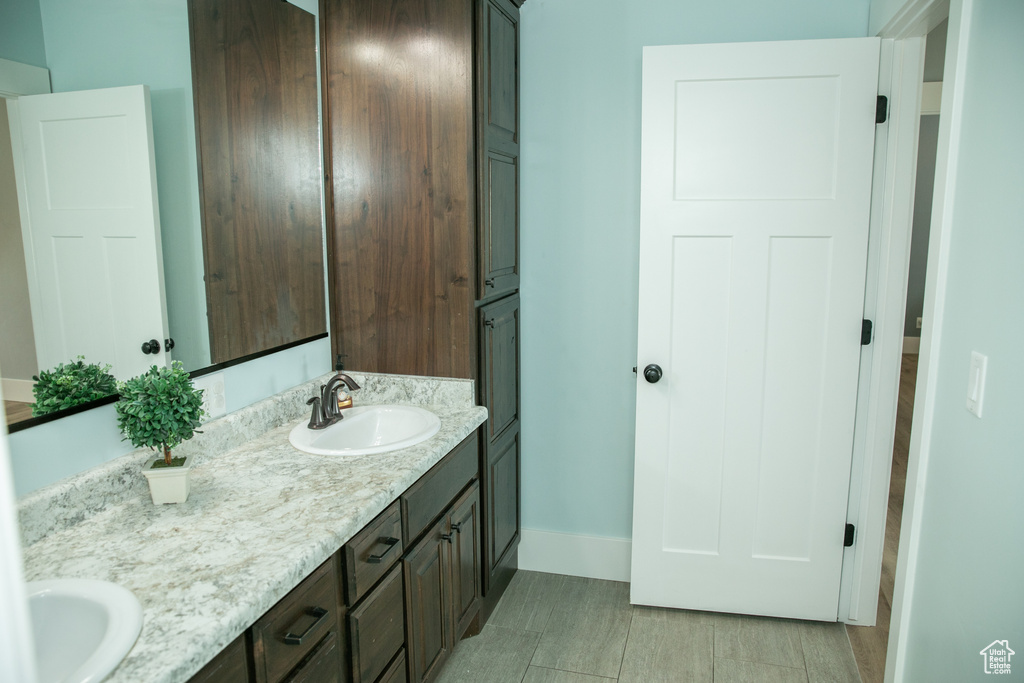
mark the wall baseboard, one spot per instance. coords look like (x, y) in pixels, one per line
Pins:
(912, 345)
(18, 390)
(590, 556)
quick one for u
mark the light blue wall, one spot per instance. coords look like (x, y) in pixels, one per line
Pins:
(968, 589)
(21, 32)
(110, 43)
(580, 83)
(49, 452)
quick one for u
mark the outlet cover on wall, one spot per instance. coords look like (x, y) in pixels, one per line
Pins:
(212, 385)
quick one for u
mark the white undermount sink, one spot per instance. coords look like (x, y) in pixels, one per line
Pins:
(366, 430)
(82, 628)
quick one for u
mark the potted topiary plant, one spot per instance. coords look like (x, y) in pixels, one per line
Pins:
(71, 384)
(159, 409)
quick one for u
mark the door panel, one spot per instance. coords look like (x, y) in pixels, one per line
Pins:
(466, 556)
(500, 349)
(429, 625)
(92, 235)
(755, 196)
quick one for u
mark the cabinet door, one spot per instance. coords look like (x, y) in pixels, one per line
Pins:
(501, 493)
(465, 525)
(428, 606)
(498, 157)
(500, 365)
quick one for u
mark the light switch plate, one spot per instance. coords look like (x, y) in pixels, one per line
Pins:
(214, 404)
(976, 382)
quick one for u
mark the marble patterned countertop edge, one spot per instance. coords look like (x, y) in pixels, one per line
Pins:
(261, 516)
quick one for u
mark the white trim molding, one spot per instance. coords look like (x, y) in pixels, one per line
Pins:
(22, 79)
(575, 555)
(18, 390)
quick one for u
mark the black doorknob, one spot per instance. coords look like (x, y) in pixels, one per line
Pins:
(652, 373)
(152, 346)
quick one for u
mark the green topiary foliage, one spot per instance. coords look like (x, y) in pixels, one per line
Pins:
(159, 409)
(71, 384)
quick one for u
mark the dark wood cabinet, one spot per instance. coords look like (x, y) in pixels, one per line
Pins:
(377, 629)
(497, 104)
(429, 623)
(499, 361)
(466, 558)
(297, 639)
(230, 666)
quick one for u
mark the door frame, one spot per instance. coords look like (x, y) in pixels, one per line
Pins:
(876, 422)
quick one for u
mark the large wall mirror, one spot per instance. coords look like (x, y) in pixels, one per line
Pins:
(238, 187)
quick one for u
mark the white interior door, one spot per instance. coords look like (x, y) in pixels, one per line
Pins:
(755, 193)
(91, 228)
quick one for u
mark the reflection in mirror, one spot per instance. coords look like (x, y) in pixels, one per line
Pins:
(93, 44)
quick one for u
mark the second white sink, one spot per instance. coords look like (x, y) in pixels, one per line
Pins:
(367, 430)
(82, 628)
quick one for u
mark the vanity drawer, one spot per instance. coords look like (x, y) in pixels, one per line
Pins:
(377, 628)
(297, 625)
(371, 552)
(424, 501)
(396, 673)
(230, 666)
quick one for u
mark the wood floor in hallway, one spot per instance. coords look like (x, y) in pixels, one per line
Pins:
(870, 642)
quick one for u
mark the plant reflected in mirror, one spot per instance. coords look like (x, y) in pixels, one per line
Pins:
(71, 384)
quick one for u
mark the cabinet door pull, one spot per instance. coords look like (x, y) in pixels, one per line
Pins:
(457, 528)
(446, 537)
(390, 542)
(489, 282)
(313, 615)
(489, 322)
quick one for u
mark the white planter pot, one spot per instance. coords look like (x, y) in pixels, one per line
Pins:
(169, 484)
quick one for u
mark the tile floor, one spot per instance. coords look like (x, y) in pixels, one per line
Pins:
(550, 628)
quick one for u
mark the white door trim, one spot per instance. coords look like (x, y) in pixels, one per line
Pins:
(950, 120)
(884, 304)
(18, 79)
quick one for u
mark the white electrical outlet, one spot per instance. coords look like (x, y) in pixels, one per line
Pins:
(918, 322)
(214, 404)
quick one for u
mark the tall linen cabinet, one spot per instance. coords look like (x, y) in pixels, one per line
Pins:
(421, 145)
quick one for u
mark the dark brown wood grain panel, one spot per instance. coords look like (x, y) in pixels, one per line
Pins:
(427, 499)
(399, 108)
(428, 607)
(502, 498)
(255, 89)
(466, 558)
(499, 324)
(377, 628)
(502, 69)
(370, 553)
(230, 666)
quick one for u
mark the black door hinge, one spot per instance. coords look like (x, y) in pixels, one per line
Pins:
(865, 332)
(848, 538)
(881, 109)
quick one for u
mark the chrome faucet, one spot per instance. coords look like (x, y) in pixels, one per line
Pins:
(325, 406)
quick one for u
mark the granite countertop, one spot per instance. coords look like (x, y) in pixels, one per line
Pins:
(260, 517)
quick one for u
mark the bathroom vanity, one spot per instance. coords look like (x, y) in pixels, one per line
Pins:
(284, 565)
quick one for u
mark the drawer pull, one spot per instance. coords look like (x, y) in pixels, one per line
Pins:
(312, 615)
(390, 542)
(457, 528)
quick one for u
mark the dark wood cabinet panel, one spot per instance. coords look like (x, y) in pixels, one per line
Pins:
(499, 225)
(399, 122)
(230, 666)
(322, 665)
(396, 673)
(258, 139)
(500, 364)
(370, 553)
(502, 496)
(466, 570)
(501, 55)
(426, 500)
(377, 629)
(429, 627)
(295, 627)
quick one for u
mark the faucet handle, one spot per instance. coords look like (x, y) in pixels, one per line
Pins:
(315, 419)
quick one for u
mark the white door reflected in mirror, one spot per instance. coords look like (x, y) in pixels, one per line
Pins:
(90, 226)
